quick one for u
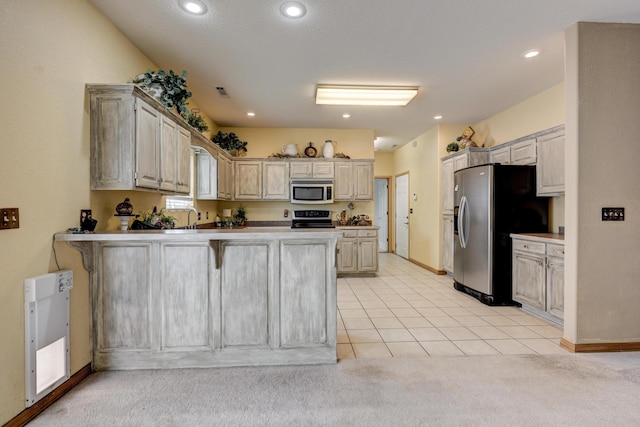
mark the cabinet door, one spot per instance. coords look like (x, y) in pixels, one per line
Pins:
(529, 279)
(275, 180)
(322, 169)
(147, 145)
(343, 184)
(461, 162)
(113, 133)
(550, 168)
(184, 296)
(447, 186)
(248, 182)
(207, 176)
(501, 155)
(168, 154)
(367, 255)
(228, 179)
(242, 285)
(184, 161)
(447, 243)
(555, 287)
(122, 301)
(347, 255)
(524, 152)
(301, 170)
(363, 185)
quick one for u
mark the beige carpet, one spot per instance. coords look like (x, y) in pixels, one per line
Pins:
(527, 390)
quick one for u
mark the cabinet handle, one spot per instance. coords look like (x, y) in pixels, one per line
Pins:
(526, 246)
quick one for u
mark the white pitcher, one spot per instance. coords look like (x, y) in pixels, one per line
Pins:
(290, 149)
(328, 150)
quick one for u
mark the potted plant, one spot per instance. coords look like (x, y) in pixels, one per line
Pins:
(196, 121)
(168, 87)
(240, 216)
(230, 142)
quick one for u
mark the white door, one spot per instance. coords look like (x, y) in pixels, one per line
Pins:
(381, 208)
(402, 215)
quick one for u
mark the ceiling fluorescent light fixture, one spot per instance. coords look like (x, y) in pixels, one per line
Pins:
(365, 95)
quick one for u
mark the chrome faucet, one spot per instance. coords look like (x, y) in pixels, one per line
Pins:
(189, 225)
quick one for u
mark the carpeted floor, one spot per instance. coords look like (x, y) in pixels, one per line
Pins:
(524, 390)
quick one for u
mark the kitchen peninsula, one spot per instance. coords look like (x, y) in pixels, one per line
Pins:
(215, 297)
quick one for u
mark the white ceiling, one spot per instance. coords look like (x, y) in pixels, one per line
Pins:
(464, 55)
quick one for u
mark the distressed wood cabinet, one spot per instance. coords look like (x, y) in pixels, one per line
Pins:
(358, 250)
(204, 298)
(353, 180)
(206, 176)
(248, 179)
(538, 275)
(135, 143)
(275, 180)
(550, 168)
(447, 243)
(311, 169)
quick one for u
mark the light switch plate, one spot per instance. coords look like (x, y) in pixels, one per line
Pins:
(9, 218)
(613, 214)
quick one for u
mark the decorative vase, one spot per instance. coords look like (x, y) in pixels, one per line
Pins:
(290, 149)
(124, 208)
(328, 150)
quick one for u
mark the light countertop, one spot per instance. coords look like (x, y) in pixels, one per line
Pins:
(246, 233)
(541, 237)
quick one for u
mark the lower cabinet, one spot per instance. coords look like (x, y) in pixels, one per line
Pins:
(538, 277)
(358, 251)
(213, 303)
(447, 243)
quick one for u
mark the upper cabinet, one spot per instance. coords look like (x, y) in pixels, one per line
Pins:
(206, 176)
(524, 152)
(135, 143)
(353, 180)
(248, 182)
(275, 180)
(454, 162)
(550, 170)
(312, 169)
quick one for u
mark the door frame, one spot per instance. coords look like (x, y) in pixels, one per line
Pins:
(395, 181)
(390, 210)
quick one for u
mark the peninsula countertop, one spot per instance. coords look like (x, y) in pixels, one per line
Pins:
(246, 233)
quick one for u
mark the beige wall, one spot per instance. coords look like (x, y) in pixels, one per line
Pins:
(542, 111)
(603, 261)
(263, 142)
(50, 50)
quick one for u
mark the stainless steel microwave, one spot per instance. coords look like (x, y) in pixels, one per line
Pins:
(311, 191)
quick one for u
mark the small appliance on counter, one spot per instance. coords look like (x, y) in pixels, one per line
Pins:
(312, 219)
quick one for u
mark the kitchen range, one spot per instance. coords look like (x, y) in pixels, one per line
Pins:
(312, 219)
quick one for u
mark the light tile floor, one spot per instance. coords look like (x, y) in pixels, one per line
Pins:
(407, 311)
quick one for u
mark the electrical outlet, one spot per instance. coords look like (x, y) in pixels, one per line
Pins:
(9, 218)
(613, 214)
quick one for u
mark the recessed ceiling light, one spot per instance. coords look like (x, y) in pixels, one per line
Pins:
(195, 7)
(251, 114)
(531, 53)
(438, 117)
(293, 9)
(346, 115)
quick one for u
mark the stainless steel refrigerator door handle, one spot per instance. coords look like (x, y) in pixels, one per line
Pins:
(461, 233)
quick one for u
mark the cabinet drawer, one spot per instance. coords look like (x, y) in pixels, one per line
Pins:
(528, 246)
(367, 233)
(349, 233)
(555, 250)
